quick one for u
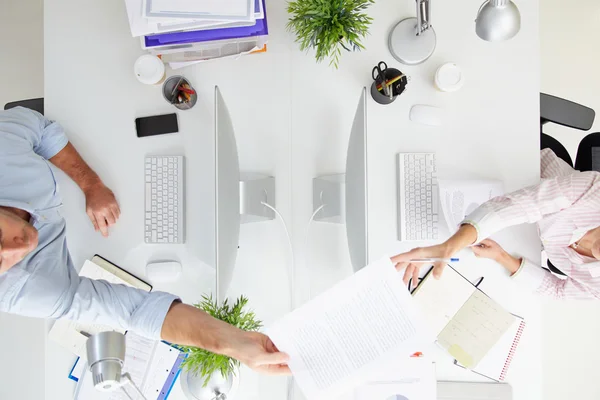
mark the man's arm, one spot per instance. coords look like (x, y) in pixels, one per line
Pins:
(189, 326)
(101, 205)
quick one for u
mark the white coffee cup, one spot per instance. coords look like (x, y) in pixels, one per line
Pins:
(149, 70)
(449, 78)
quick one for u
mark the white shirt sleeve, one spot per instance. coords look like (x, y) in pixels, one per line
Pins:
(531, 204)
(540, 281)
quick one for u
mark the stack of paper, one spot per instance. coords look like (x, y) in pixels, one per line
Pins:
(198, 30)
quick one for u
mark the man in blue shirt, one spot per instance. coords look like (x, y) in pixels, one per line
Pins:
(37, 277)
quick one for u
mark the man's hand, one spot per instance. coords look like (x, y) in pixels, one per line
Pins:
(492, 250)
(102, 207)
(259, 353)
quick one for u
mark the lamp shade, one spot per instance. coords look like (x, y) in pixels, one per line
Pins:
(498, 20)
(106, 354)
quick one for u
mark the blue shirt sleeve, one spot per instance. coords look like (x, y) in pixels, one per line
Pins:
(120, 306)
(46, 137)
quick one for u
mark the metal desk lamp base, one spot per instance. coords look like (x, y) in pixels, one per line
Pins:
(218, 388)
(408, 47)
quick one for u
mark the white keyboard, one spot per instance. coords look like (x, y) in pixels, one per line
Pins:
(417, 197)
(164, 199)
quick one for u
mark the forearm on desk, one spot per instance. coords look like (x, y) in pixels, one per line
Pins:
(464, 237)
(69, 160)
(189, 326)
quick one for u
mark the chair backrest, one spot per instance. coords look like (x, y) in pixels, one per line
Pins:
(32, 104)
(565, 112)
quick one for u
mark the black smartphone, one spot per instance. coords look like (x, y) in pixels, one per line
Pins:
(156, 125)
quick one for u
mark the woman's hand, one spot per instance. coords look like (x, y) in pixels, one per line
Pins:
(492, 250)
(413, 269)
(489, 249)
(465, 236)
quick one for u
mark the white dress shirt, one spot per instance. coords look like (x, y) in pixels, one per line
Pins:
(45, 284)
(565, 205)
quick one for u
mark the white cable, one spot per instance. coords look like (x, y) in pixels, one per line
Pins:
(306, 239)
(291, 273)
(291, 270)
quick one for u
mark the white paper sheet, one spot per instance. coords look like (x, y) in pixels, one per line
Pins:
(459, 198)
(206, 7)
(412, 378)
(339, 339)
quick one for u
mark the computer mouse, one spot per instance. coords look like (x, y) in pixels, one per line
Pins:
(163, 271)
(427, 115)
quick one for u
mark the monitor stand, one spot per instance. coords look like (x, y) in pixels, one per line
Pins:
(331, 191)
(256, 189)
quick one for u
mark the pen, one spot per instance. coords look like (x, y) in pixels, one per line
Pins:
(429, 260)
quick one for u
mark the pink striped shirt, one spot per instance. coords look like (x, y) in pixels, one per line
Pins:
(565, 205)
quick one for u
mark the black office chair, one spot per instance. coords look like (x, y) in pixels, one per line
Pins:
(569, 114)
(32, 104)
(573, 115)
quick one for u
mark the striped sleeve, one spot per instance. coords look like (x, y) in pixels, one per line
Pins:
(531, 204)
(540, 281)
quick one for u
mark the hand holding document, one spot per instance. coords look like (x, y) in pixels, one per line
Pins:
(342, 337)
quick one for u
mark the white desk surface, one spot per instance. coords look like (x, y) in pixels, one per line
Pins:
(292, 119)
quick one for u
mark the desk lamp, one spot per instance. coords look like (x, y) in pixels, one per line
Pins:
(497, 20)
(106, 354)
(413, 40)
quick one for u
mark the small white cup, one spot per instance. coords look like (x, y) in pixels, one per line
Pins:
(149, 70)
(449, 78)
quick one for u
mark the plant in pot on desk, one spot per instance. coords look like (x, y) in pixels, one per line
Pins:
(329, 26)
(208, 375)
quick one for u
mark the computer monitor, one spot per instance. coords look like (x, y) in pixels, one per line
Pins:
(239, 197)
(344, 196)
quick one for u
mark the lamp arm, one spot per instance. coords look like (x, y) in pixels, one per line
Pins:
(423, 16)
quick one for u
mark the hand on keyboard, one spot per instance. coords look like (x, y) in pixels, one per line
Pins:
(102, 207)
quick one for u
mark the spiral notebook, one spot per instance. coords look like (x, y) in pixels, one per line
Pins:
(480, 334)
(497, 361)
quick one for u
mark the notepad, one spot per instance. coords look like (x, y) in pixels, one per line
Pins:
(68, 333)
(471, 326)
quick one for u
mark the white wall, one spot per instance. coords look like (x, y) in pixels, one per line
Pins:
(22, 340)
(570, 51)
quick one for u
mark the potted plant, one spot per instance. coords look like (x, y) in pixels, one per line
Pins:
(329, 26)
(205, 364)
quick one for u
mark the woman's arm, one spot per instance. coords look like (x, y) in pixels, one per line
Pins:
(527, 205)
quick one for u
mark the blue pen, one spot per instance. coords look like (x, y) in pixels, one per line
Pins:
(432, 260)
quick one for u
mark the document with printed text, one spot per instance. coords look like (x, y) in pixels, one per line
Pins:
(340, 338)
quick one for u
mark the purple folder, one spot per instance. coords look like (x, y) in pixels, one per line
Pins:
(260, 28)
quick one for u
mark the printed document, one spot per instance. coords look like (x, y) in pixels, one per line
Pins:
(338, 340)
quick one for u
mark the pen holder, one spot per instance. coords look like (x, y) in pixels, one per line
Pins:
(177, 98)
(400, 81)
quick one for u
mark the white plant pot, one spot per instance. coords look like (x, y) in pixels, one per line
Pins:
(218, 388)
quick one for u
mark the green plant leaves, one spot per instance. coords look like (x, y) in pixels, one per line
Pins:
(329, 26)
(206, 363)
